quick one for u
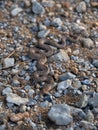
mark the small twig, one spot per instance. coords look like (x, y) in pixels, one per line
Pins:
(11, 54)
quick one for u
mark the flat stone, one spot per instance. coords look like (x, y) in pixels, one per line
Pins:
(15, 99)
(43, 33)
(60, 114)
(66, 76)
(8, 62)
(61, 56)
(37, 8)
(16, 11)
(64, 85)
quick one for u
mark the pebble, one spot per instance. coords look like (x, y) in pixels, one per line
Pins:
(16, 83)
(43, 33)
(83, 101)
(88, 43)
(15, 99)
(9, 62)
(77, 112)
(60, 114)
(6, 91)
(48, 3)
(89, 116)
(57, 22)
(94, 100)
(67, 75)
(61, 56)
(95, 63)
(37, 8)
(87, 125)
(64, 85)
(81, 7)
(16, 11)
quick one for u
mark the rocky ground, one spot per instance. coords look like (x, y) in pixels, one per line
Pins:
(72, 103)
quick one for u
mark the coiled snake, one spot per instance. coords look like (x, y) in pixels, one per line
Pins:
(41, 52)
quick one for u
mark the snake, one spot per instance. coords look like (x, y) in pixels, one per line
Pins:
(41, 52)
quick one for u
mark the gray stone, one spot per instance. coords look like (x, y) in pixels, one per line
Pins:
(61, 56)
(44, 104)
(66, 76)
(88, 43)
(64, 85)
(77, 112)
(89, 116)
(31, 92)
(83, 101)
(16, 11)
(77, 28)
(16, 82)
(43, 33)
(57, 22)
(15, 99)
(87, 125)
(94, 100)
(81, 7)
(9, 62)
(95, 63)
(60, 114)
(48, 3)
(37, 8)
(6, 91)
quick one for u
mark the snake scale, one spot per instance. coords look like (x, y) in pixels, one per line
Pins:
(41, 52)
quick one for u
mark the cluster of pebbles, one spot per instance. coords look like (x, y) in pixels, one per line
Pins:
(72, 102)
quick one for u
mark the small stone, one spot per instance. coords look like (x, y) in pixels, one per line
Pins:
(43, 33)
(66, 76)
(31, 92)
(14, 98)
(87, 125)
(60, 114)
(83, 101)
(48, 3)
(6, 91)
(9, 62)
(88, 43)
(57, 22)
(16, 83)
(64, 85)
(61, 56)
(89, 116)
(37, 8)
(95, 63)
(16, 11)
(81, 7)
(94, 100)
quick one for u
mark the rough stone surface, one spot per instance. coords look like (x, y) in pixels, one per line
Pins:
(81, 7)
(64, 85)
(87, 42)
(15, 99)
(9, 62)
(59, 57)
(37, 8)
(60, 114)
(16, 11)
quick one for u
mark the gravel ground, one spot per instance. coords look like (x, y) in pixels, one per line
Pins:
(72, 101)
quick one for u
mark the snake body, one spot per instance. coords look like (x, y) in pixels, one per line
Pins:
(41, 52)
